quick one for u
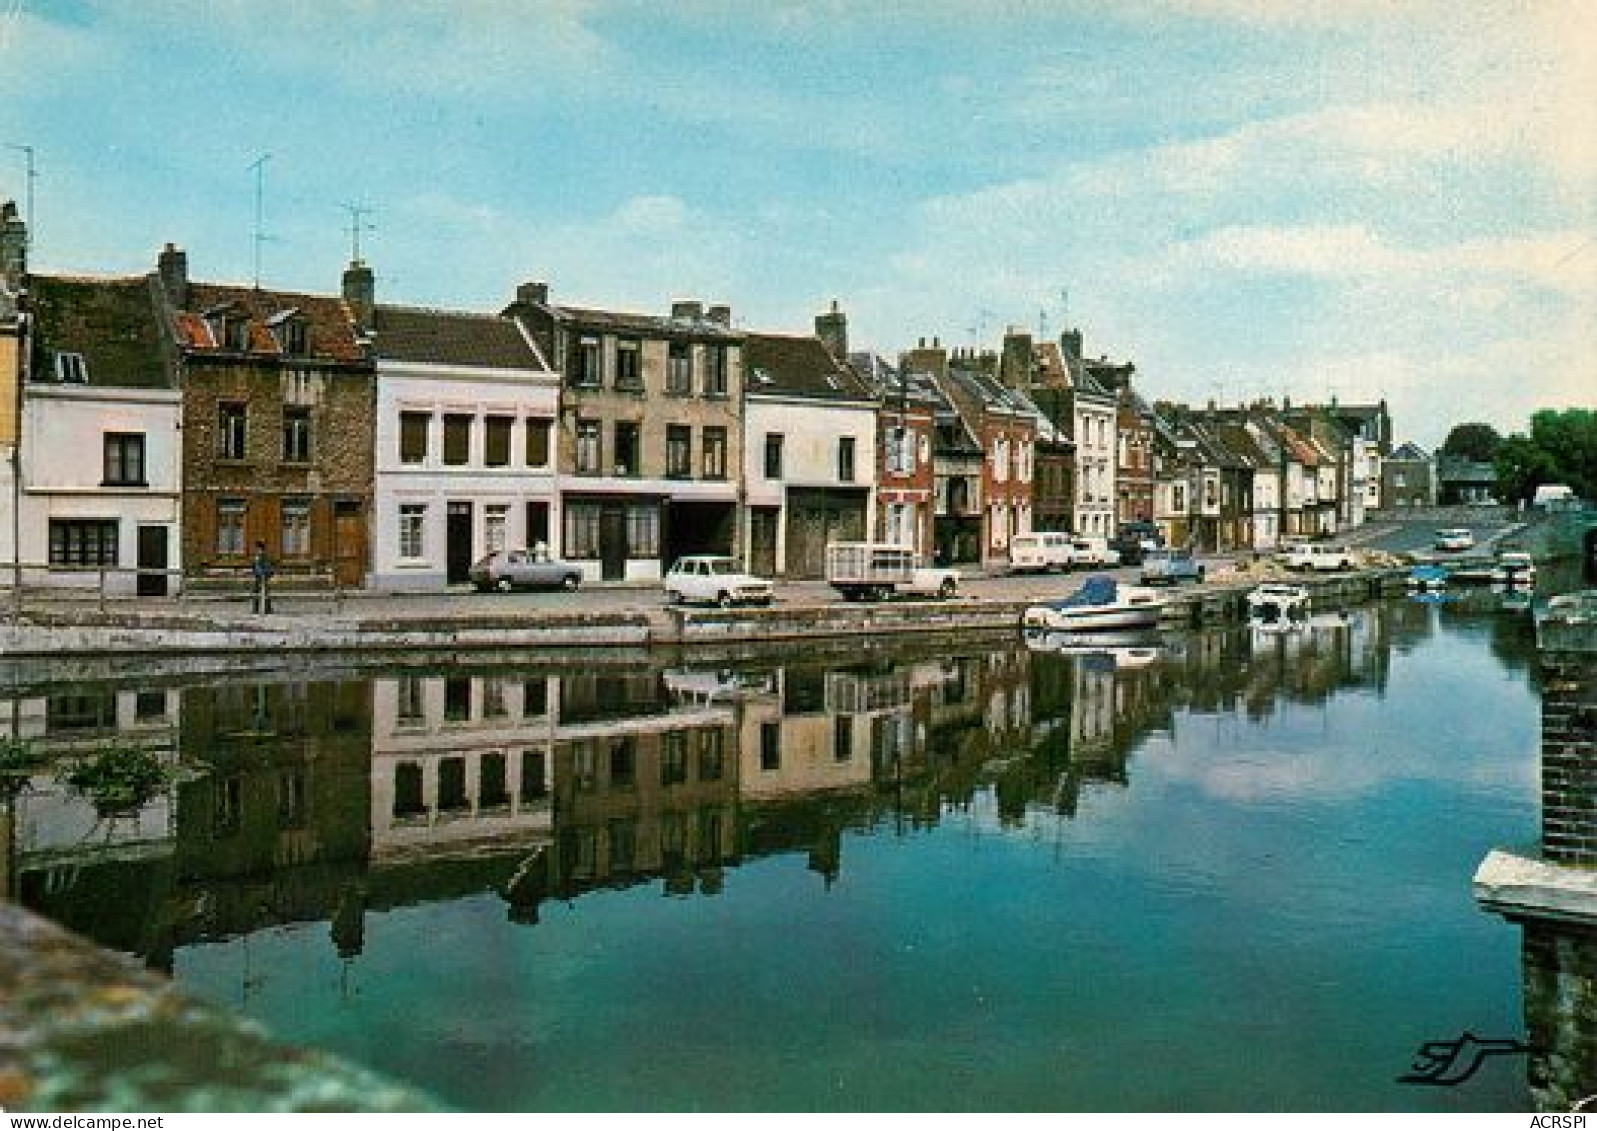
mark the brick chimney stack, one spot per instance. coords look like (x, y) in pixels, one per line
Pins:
(173, 268)
(832, 329)
(360, 293)
(13, 247)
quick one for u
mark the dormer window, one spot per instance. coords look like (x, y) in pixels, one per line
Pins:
(291, 332)
(70, 368)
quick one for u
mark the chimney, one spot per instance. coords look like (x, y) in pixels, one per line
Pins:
(832, 329)
(172, 266)
(687, 309)
(1070, 342)
(533, 293)
(1015, 367)
(721, 315)
(13, 247)
(360, 292)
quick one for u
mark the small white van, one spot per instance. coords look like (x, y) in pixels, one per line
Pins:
(1039, 552)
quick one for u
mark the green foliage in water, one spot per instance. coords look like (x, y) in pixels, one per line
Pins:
(18, 761)
(120, 778)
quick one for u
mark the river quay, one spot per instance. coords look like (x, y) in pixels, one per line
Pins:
(400, 623)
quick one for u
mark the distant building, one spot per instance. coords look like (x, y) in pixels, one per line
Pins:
(1463, 481)
(1408, 478)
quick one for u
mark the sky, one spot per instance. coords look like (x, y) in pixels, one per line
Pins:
(1305, 198)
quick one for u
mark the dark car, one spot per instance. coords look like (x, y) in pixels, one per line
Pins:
(1134, 540)
(505, 570)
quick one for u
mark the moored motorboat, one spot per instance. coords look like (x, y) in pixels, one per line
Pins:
(1427, 575)
(1275, 601)
(1100, 603)
(1514, 568)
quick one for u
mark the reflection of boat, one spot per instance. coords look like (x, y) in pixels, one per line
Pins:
(1130, 648)
(1472, 571)
(1100, 603)
(1275, 601)
(1427, 575)
(1513, 598)
(1514, 567)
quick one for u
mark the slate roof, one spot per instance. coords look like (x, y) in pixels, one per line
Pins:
(328, 321)
(111, 322)
(1409, 451)
(644, 325)
(449, 337)
(892, 384)
(800, 367)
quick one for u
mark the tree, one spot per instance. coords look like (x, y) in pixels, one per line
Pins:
(1561, 448)
(1477, 443)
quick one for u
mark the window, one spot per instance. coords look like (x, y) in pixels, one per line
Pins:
(773, 455)
(534, 698)
(124, 459)
(230, 515)
(496, 441)
(412, 530)
(413, 429)
(537, 441)
(712, 753)
(457, 439)
(493, 698)
(587, 361)
(457, 698)
(293, 337)
(71, 368)
(410, 703)
(534, 777)
(845, 459)
(626, 448)
(770, 746)
(842, 738)
(230, 431)
(296, 528)
(623, 761)
(491, 779)
(83, 542)
(674, 757)
(715, 384)
(629, 368)
(715, 453)
(496, 522)
(679, 369)
(296, 435)
(582, 530)
(901, 451)
(643, 530)
(587, 447)
(678, 451)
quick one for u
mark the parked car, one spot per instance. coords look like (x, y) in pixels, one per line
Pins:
(873, 570)
(1170, 567)
(1135, 539)
(717, 580)
(1319, 557)
(1039, 552)
(1455, 538)
(505, 570)
(1090, 550)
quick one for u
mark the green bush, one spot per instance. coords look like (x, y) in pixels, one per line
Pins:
(120, 778)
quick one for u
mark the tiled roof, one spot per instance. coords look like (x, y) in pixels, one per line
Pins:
(649, 325)
(331, 330)
(798, 366)
(447, 337)
(112, 323)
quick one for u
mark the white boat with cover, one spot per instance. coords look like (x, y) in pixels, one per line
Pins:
(1101, 603)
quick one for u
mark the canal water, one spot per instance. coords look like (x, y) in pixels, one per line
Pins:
(1227, 869)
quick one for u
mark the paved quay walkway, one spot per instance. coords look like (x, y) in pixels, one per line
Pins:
(600, 616)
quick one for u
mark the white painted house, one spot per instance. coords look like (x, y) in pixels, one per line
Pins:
(101, 467)
(809, 438)
(465, 457)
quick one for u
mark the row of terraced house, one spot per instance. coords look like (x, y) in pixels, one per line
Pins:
(155, 428)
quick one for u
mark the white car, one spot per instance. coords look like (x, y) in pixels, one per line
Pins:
(1317, 557)
(1089, 550)
(716, 580)
(1455, 538)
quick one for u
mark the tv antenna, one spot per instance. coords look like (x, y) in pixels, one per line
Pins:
(259, 237)
(30, 176)
(358, 223)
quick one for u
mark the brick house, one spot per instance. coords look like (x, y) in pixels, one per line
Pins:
(278, 415)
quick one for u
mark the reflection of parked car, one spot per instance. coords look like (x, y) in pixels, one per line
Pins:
(716, 580)
(505, 570)
(1170, 567)
(1319, 558)
(1454, 538)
